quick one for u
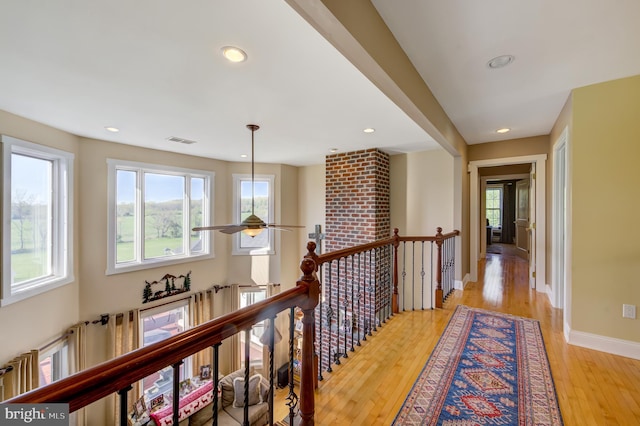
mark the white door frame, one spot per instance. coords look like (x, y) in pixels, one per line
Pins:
(560, 290)
(474, 212)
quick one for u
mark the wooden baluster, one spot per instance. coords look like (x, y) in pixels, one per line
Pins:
(311, 254)
(307, 386)
(439, 240)
(394, 299)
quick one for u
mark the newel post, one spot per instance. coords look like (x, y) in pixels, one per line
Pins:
(439, 241)
(308, 371)
(394, 297)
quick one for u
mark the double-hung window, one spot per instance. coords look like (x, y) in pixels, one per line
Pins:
(37, 219)
(152, 211)
(494, 205)
(260, 201)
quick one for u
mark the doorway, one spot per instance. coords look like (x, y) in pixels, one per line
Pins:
(537, 267)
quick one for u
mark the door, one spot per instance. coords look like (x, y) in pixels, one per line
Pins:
(522, 219)
(532, 226)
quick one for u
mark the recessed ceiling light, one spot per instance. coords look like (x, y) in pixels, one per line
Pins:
(333, 150)
(234, 54)
(369, 130)
(503, 130)
(112, 129)
(243, 155)
(500, 61)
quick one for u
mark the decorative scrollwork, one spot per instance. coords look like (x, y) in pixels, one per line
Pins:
(292, 401)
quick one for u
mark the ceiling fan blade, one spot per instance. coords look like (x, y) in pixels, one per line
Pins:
(221, 228)
(283, 227)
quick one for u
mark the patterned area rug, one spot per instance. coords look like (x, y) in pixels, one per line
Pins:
(487, 369)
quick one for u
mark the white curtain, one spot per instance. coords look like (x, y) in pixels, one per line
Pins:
(124, 336)
(22, 378)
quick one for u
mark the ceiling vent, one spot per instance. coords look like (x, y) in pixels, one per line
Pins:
(180, 140)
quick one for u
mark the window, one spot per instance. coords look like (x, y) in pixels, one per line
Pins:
(494, 205)
(158, 324)
(54, 364)
(152, 210)
(249, 296)
(263, 208)
(37, 203)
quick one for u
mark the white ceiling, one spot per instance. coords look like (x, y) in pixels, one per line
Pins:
(153, 68)
(558, 46)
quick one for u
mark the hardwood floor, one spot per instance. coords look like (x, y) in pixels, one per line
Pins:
(594, 388)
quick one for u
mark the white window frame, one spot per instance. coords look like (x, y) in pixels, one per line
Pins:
(60, 366)
(501, 188)
(62, 220)
(254, 362)
(187, 365)
(140, 262)
(269, 248)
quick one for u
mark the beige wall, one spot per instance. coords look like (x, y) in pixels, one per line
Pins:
(605, 237)
(311, 197)
(422, 192)
(94, 293)
(509, 148)
(20, 328)
(101, 293)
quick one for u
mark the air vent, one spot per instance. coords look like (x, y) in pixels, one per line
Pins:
(180, 140)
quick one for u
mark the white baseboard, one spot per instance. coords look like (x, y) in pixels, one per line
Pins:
(459, 285)
(606, 344)
(551, 295)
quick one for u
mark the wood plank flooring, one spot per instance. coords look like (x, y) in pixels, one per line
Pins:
(594, 388)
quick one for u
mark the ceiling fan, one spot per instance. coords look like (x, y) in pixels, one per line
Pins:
(252, 225)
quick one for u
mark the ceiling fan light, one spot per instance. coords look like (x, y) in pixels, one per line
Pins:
(252, 232)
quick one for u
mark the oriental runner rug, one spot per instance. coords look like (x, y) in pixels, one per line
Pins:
(488, 368)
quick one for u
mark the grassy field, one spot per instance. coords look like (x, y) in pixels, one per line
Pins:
(27, 262)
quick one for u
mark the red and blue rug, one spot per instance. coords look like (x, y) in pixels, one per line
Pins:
(487, 369)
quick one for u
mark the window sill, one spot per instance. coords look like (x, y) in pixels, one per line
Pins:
(36, 290)
(151, 264)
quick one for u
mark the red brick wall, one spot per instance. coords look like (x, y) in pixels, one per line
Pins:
(357, 198)
(357, 212)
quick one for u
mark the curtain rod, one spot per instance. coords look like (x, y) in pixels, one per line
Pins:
(5, 370)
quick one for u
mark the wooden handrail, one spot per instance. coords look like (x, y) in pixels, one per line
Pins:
(85, 387)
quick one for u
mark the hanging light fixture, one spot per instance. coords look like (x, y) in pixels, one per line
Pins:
(252, 225)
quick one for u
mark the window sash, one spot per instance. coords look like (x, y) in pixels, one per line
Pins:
(149, 216)
(493, 205)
